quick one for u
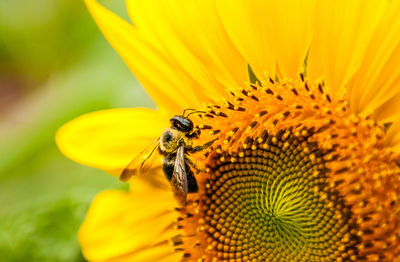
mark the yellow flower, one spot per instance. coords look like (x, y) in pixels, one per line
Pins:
(303, 98)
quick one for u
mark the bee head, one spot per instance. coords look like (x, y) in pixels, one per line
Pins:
(182, 124)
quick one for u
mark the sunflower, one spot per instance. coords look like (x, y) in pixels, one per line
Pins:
(302, 97)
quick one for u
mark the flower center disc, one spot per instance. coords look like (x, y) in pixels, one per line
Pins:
(270, 206)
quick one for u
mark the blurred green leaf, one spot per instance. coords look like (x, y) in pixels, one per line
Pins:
(43, 234)
(54, 66)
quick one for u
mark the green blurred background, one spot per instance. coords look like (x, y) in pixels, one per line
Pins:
(54, 66)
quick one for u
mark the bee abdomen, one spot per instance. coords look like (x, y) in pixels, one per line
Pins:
(168, 167)
(192, 182)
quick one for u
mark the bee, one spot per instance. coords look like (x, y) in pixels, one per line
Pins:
(174, 144)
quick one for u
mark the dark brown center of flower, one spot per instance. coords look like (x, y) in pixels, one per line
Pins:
(272, 203)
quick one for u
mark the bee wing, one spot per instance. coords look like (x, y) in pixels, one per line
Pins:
(142, 163)
(179, 177)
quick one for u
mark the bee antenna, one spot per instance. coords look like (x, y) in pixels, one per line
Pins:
(187, 109)
(196, 112)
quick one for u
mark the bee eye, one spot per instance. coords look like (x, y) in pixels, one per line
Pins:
(167, 137)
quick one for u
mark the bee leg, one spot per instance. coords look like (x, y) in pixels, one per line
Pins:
(191, 180)
(194, 134)
(200, 148)
(195, 165)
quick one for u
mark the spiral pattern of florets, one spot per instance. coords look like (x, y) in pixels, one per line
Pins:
(273, 204)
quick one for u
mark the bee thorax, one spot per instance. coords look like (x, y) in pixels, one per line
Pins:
(169, 140)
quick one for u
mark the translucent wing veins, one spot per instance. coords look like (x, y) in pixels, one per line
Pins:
(142, 163)
(179, 177)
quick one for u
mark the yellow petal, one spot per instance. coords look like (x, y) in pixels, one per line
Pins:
(134, 226)
(270, 33)
(248, 31)
(342, 33)
(388, 112)
(193, 34)
(160, 253)
(166, 82)
(110, 139)
(378, 78)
